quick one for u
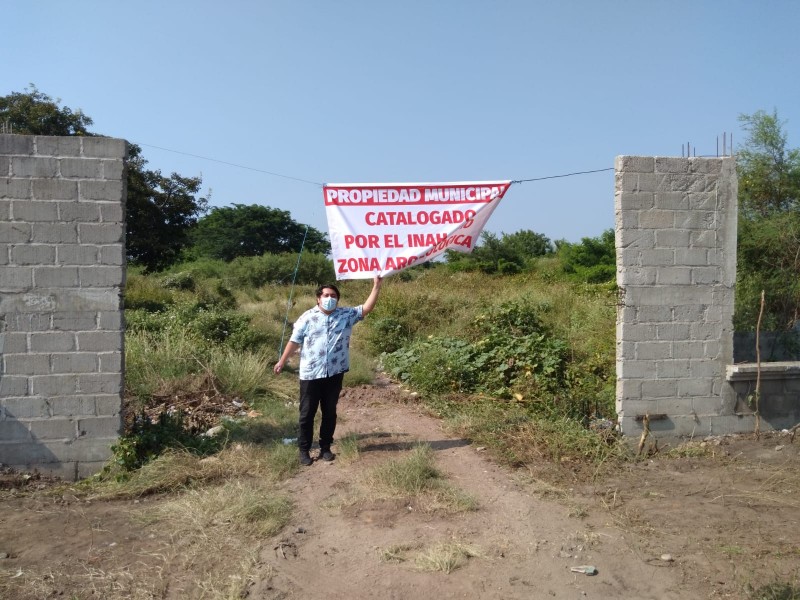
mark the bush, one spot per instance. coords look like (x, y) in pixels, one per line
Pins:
(182, 280)
(593, 260)
(142, 292)
(387, 334)
(435, 366)
(257, 271)
(212, 325)
(147, 440)
(514, 354)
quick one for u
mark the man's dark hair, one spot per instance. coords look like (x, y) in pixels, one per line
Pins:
(329, 286)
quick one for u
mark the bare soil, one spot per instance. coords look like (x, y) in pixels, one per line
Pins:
(718, 525)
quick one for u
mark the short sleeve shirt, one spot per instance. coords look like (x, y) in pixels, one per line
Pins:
(325, 341)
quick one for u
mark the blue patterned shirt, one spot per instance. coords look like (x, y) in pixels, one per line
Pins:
(325, 341)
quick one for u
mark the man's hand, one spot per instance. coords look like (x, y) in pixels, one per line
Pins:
(291, 348)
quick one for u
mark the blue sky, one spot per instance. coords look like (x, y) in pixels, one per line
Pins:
(411, 91)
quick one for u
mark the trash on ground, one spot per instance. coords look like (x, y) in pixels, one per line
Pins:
(585, 569)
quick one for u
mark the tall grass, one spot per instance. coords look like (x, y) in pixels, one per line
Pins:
(438, 317)
(242, 374)
(155, 361)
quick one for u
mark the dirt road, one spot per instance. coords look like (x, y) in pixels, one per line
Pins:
(710, 526)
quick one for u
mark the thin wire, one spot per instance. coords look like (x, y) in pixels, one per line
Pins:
(291, 292)
(317, 183)
(233, 164)
(565, 175)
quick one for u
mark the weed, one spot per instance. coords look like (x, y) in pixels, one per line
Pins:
(578, 512)
(732, 550)
(395, 553)
(415, 477)
(147, 439)
(347, 448)
(178, 470)
(242, 374)
(777, 591)
(361, 371)
(445, 557)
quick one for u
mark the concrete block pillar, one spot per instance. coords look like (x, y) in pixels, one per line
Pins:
(62, 271)
(676, 268)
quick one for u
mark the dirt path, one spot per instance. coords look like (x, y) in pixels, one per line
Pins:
(729, 519)
(526, 544)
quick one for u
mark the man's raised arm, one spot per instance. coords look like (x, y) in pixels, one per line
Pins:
(373, 297)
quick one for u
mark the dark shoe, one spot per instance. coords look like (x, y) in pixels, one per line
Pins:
(326, 454)
(305, 458)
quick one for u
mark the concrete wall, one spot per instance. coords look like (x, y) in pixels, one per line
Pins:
(779, 392)
(676, 268)
(62, 268)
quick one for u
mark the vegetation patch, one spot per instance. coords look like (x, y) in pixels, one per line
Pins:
(415, 478)
(445, 557)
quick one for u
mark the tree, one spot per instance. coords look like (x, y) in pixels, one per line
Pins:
(507, 254)
(240, 230)
(160, 213)
(593, 260)
(768, 256)
(36, 113)
(769, 173)
(160, 210)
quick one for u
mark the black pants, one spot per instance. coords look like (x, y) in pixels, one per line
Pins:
(322, 393)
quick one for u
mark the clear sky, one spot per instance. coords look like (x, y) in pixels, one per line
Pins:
(411, 90)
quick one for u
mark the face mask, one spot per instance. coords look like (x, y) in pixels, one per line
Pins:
(328, 303)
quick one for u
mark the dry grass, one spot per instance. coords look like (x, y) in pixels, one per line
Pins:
(217, 515)
(177, 470)
(416, 478)
(396, 553)
(215, 509)
(122, 584)
(445, 557)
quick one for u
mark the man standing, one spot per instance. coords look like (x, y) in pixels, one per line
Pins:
(323, 332)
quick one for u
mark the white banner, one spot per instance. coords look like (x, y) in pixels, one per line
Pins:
(383, 228)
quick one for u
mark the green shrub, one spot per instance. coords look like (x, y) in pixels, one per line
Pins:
(214, 293)
(212, 325)
(593, 260)
(257, 271)
(510, 353)
(513, 354)
(435, 366)
(147, 440)
(146, 293)
(183, 280)
(202, 268)
(387, 333)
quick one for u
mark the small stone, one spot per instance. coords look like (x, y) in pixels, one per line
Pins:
(779, 448)
(667, 557)
(4, 555)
